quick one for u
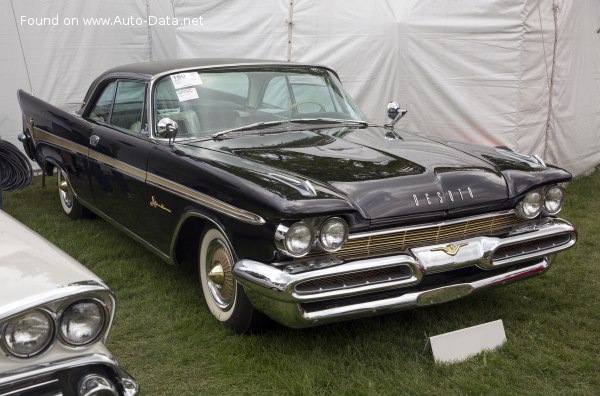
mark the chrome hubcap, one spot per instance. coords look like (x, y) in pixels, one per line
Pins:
(219, 275)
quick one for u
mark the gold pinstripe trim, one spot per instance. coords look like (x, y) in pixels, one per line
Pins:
(39, 134)
(115, 163)
(162, 183)
(203, 199)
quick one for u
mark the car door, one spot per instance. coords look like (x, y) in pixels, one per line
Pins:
(118, 153)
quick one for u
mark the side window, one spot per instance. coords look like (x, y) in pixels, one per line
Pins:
(276, 95)
(101, 110)
(129, 106)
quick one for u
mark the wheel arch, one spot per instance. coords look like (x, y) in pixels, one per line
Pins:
(191, 227)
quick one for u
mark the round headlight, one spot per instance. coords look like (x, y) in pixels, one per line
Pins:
(553, 200)
(28, 334)
(81, 322)
(531, 205)
(298, 239)
(334, 233)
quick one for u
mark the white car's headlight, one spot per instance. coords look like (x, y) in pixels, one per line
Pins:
(333, 235)
(531, 205)
(29, 334)
(82, 322)
(553, 200)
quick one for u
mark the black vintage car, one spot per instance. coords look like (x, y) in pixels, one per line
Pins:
(270, 180)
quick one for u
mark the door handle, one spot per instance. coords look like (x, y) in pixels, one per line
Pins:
(94, 140)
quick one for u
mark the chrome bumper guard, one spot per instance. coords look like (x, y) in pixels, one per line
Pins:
(36, 379)
(284, 295)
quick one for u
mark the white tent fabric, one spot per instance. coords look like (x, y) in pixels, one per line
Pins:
(61, 61)
(519, 73)
(573, 137)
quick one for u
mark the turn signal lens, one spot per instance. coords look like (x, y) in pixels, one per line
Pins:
(553, 201)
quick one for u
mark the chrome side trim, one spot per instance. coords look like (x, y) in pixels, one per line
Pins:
(122, 166)
(142, 175)
(204, 200)
(428, 225)
(41, 135)
(127, 384)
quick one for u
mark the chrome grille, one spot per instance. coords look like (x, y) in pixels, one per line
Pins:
(398, 240)
(354, 279)
(535, 246)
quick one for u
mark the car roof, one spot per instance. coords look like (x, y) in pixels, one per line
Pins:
(147, 70)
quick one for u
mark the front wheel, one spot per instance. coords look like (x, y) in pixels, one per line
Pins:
(71, 206)
(224, 297)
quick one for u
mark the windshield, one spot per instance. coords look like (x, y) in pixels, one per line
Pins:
(207, 102)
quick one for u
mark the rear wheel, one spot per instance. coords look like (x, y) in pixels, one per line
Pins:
(224, 297)
(68, 200)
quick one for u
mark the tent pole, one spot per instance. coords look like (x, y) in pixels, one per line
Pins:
(555, 8)
(290, 22)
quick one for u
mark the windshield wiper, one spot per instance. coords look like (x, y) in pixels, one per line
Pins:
(362, 124)
(266, 124)
(256, 125)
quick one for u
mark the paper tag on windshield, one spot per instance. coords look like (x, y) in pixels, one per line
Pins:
(184, 94)
(182, 80)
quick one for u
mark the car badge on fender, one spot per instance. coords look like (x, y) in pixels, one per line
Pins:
(451, 249)
(154, 203)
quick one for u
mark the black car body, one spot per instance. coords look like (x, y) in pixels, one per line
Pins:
(220, 175)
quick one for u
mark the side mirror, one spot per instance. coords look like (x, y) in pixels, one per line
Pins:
(167, 128)
(395, 113)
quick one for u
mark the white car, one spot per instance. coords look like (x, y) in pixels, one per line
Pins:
(55, 316)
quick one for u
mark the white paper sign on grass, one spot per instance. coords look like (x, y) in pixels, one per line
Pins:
(461, 344)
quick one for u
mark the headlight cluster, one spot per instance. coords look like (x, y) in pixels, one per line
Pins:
(78, 324)
(299, 238)
(548, 200)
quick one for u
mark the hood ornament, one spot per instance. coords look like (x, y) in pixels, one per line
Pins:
(395, 113)
(451, 249)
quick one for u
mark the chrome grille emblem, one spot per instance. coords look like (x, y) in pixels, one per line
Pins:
(451, 249)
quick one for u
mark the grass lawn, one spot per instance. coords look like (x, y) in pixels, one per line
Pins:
(165, 337)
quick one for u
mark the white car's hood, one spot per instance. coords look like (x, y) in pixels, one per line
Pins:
(31, 266)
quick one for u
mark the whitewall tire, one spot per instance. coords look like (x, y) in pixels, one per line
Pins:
(224, 297)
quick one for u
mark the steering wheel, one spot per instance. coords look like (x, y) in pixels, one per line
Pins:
(295, 105)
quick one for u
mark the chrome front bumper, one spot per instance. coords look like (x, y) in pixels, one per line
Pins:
(335, 292)
(53, 377)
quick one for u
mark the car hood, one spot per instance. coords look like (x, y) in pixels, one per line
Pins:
(30, 266)
(381, 176)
